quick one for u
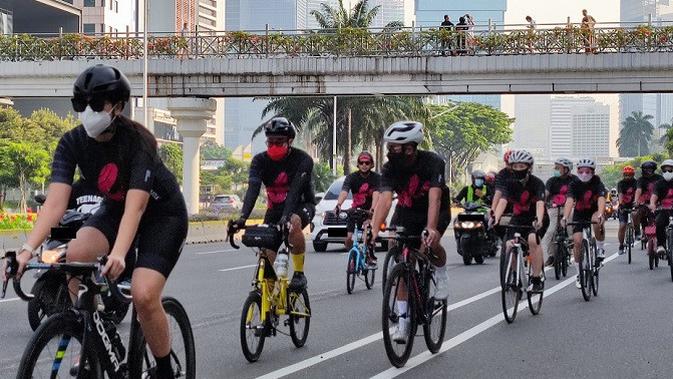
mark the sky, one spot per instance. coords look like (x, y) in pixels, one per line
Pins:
(557, 11)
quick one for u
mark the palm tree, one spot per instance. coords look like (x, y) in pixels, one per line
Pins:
(664, 138)
(361, 16)
(635, 135)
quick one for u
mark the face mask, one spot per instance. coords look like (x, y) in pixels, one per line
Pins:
(479, 182)
(520, 175)
(648, 172)
(557, 173)
(585, 177)
(668, 176)
(276, 153)
(94, 123)
(395, 158)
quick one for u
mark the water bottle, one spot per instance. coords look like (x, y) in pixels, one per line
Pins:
(280, 265)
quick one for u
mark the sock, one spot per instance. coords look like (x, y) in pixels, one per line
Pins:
(402, 308)
(298, 262)
(599, 244)
(164, 369)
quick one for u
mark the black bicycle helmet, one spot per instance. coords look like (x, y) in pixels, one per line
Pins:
(279, 126)
(652, 165)
(100, 82)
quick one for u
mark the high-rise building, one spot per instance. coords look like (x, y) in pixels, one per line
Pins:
(531, 125)
(390, 11)
(109, 16)
(6, 21)
(40, 16)
(430, 13)
(579, 127)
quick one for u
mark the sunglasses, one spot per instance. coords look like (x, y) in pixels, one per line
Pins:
(365, 163)
(270, 143)
(667, 169)
(397, 148)
(79, 104)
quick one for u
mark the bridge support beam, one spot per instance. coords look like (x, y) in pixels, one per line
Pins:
(192, 115)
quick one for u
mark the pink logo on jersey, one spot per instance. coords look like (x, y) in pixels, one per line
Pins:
(107, 177)
(277, 192)
(645, 197)
(413, 191)
(523, 204)
(584, 204)
(627, 197)
(667, 201)
(360, 198)
(560, 198)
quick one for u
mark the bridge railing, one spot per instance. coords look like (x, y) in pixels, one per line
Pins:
(479, 40)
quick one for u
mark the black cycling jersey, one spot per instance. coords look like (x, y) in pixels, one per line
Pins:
(586, 195)
(288, 182)
(627, 188)
(664, 191)
(412, 185)
(558, 190)
(501, 178)
(524, 198)
(84, 198)
(362, 187)
(116, 166)
(646, 185)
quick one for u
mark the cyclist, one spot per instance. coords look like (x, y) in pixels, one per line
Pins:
(626, 189)
(477, 192)
(526, 193)
(364, 184)
(645, 187)
(141, 197)
(663, 195)
(286, 172)
(586, 199)
(417, 176)
(490, 182)
(556, 190)
(501, 179)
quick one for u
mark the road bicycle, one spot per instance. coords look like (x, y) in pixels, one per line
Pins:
(650, 230)
(517, 275)
(669, 244)
(413, 275)
(563, 247)
(589, 267)
(80, 342)
(629, 233)
(357, 266)
(270, 297)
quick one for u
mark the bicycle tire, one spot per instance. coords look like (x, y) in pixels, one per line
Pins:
(434, 305)
(142, 360)
(629, 241)
(566, 261)
(292, 297)
(534, 298)
(370, 275)
(65, 323)
(510, 290)
(389, 315)
(558, 260)
(254, 300)
(650, 253)
(51, 296)
(669, 249)
(585, 272)
(351, 270)
(388, 266)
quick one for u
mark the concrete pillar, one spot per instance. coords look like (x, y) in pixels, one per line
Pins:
(192, 115)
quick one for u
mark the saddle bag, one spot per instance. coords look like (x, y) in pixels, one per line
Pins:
(262, 236)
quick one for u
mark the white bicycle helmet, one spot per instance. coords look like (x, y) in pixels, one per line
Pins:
(565, 162)
(521, 156)
(586, 162)
(478, 174)
(404, 132)
(667, 162)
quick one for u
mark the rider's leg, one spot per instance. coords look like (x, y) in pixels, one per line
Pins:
(577, 247)
(662, 222)
(637, 217)
(90, 244)
(599, 233)
(548, 242)
(146, 290)
(621, 232)
(535, 251)
(296, 239)
(349, 240)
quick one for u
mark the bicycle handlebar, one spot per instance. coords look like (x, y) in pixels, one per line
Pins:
(233, 229)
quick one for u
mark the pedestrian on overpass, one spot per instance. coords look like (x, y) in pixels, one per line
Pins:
(587, 28)
(447, 36)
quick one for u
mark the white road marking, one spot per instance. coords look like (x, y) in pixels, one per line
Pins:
(8, 300)
(468, 334)
(236, 268)
(215, 252)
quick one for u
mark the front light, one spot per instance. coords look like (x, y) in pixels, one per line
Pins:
(52, 256)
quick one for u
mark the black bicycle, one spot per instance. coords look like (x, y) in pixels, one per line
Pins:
(589, 267)
(629, 233)
(563, 246)
(669, 244)
(80, 342)
(413, 275)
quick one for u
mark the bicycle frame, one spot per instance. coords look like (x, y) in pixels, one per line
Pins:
(520, 246)
(273, 296)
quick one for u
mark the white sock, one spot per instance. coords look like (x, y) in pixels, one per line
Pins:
(578, 267)
(402, 309)
(599, 244)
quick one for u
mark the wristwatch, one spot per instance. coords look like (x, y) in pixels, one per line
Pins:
(29, 249)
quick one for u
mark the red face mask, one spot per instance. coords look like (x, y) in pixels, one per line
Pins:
(276, 153)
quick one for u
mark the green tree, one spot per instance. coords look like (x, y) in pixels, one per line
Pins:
(361, 16)
(171, 155)
(23, 164)
(635, 135)
(460, 132)
(322, 177)
(231, 177)
(211, 150)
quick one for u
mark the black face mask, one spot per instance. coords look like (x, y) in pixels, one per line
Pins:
(399, 159)
(520, 175)
(648, 172)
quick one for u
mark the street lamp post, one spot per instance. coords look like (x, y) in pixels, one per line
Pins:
(334, 132)
(145, 17)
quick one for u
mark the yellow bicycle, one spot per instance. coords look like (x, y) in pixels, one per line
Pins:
(270, 297)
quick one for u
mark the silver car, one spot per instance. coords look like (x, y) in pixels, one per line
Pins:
(225, 204)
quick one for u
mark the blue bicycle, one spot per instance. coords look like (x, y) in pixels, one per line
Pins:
(357, 256)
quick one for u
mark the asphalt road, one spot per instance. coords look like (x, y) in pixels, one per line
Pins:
(625, 332)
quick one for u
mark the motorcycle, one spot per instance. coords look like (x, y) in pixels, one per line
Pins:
(50, 290)
(609, 211)
(473, 238)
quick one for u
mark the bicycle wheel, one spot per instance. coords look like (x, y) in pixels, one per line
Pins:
(436, 312)
(534, 298)
(183, 353)
(51, 296)
(252, 329)
(629, 240)
(398, 353)
(511, 287)
(585, 272)
(369, 278)
(558, 260)
(650, 253)
(388, 265)
(300, 316)
(57, 345)
(565, 261)
(351, 270)
(669, 249)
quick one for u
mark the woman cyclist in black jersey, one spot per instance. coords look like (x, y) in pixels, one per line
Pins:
(141, 198)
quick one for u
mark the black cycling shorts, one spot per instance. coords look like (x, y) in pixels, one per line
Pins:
(527, 221)
(305, 211)
(160, 237)
(581, 217)
(623, 216)
(414, 226)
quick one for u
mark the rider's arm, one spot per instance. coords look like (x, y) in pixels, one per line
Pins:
(461, 195)
(497, 196)
(539, 210)
(254, 185)
(434, 203)
(51, 212)
(639, 192)
(134, 208)
(381, 211)
(345, 188)
(653, 201)
(601, 206)
(375, 199)
(301, 179)
(570, 203)
(500, 208)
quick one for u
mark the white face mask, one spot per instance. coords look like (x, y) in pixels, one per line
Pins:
(94, 122)
(585, 177)
(668, 176)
